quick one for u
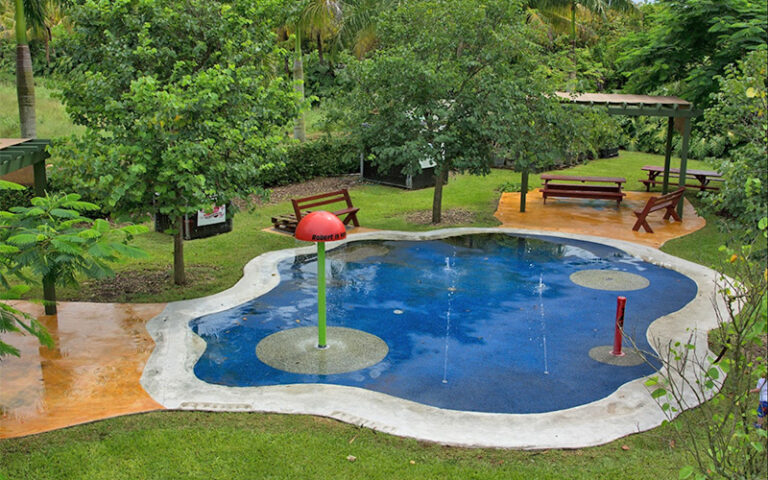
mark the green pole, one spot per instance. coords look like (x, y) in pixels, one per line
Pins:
(321, 295)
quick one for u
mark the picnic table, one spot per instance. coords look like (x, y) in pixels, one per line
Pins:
(704, 177)
(582, 187)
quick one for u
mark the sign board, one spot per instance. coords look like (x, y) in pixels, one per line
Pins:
(218, 215)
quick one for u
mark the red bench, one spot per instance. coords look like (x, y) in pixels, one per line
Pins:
(586, 187)
(288, 222)
(666, 202)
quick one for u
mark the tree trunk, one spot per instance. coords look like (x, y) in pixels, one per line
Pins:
(25, 83)
(299, 130)
(437, 200)
(319, 48)
(179, 277)
(49, 294)
(573, 44)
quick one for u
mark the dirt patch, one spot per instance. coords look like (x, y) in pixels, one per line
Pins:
(126, 285)
(307, 189)
(454, 216)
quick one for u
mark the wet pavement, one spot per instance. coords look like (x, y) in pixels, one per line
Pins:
(92, 373)
(595, 217)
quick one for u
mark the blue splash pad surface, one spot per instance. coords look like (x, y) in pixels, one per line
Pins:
(485, 323)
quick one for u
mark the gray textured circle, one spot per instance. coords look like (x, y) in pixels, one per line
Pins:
(603, 354)
(609, 280)
(295, 350)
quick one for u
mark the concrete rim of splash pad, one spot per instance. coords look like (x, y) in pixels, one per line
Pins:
(169, 377)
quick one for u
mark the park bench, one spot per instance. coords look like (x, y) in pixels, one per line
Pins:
(585, 188)
(704, 177)
(288, 222)
(666, 202)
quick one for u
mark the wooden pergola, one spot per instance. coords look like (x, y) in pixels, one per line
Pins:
(678, 111)
(24, 153)
(16, 156)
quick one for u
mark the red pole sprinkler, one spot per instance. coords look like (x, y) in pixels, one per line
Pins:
(321, 227)
(621, 302)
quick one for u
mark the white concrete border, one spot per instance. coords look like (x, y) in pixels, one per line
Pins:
(168, 375)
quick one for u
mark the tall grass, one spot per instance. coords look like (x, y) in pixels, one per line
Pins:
(52, 119)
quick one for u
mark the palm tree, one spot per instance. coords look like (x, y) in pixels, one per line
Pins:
(559, 12)
(317, 18)
(25, 83)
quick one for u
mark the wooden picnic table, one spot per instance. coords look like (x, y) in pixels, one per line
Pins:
(582, 187)
(704, 177)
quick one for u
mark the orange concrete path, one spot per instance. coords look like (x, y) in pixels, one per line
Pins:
(595, 217)
(91, 374)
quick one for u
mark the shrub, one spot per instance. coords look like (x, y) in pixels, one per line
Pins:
(324, 157)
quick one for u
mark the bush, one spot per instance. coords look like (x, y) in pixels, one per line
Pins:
(324, 157)
(15, 198)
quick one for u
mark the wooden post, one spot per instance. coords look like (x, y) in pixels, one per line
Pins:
(523, 189)
(668, 155)
(684, 160)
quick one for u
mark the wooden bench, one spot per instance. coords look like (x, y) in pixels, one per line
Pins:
(704, 177)
(666, 202)
(288, 221)
(585, 189)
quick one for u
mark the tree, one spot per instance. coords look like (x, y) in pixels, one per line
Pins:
(688, 43)
(51, 240)
(180, 102)
(729, 447)
(561, 12)
(25, 83)
(738, 122)
(457, 95)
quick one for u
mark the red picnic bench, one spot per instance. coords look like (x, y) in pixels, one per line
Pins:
(288, 222)
(586, 187)
(666, 202)
(704, 177)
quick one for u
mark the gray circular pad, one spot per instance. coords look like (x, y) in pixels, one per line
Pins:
(609, 280)
(295, 350)
(603, 354)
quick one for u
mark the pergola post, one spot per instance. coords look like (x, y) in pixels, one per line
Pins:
(668, 154)
(523, 189)
(684, 158)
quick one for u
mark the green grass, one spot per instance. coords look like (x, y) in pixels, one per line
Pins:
(196, 445)
(52, 119)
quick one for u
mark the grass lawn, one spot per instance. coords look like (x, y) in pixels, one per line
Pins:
(52, 119)
(192, 445)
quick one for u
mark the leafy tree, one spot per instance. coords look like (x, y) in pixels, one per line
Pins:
(730, 448)
(688, 43)
(738, 121)
(457, 95)
(565, 12)
(180, 102)
(51, 240)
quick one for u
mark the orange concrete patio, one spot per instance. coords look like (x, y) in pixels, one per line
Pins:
(92, 373)
(595, 217)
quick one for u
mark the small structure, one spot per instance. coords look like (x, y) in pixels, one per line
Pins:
(395, 178)
(321, 227)
(678, 111)
(22, 160)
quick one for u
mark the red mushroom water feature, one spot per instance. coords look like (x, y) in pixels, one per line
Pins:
(321, 227)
